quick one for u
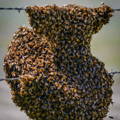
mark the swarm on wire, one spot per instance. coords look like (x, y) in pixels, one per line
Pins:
(59, 77)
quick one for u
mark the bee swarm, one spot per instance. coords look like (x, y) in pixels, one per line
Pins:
(60, 79)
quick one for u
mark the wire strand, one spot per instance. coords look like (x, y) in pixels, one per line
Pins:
(9, 79)
(114, 73)
(22, 8)
(116, 9)
(16, 8)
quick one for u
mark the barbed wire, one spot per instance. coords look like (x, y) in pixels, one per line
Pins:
(114, 73)
(22, 8)
(16, 8)
(9, 79)
(116, 9)
(18, 78)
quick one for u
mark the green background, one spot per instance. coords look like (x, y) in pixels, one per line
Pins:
(105, 45)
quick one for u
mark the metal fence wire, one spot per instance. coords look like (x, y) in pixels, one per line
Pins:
(22, 8)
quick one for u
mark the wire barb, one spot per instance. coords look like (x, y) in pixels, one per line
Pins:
(114, 73)
(116, 9)
(9, 79)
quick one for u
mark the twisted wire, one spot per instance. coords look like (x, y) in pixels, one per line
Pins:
(16, 8)
(114, 73)
(22, 8)
(9, 79)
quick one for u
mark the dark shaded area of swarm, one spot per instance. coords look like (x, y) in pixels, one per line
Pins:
(59, 77)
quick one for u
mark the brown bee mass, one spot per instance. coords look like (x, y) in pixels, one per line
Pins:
(59, 77)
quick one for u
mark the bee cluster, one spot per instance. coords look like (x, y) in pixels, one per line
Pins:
(60, 79)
